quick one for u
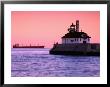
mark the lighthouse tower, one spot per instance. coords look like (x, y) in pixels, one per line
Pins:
(74, 36)
(77, 25)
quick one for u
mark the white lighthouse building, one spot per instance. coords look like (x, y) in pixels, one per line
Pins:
(74, 36)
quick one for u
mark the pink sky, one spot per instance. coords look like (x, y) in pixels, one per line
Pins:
(47, 27)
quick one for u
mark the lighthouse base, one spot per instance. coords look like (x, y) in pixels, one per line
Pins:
(75, 53)
(79, 49)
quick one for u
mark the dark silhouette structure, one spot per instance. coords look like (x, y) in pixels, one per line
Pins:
(76, 42)
(31, 46)
(74, 36)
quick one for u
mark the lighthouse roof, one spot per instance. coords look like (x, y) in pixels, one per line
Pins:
(72, 25)
(76, 35)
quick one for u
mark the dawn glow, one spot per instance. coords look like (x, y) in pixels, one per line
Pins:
(47, 27)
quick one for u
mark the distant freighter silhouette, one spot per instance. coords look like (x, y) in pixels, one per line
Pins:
(31, 46)
(76, 42)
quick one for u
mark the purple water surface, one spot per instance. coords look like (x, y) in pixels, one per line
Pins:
(39, 63)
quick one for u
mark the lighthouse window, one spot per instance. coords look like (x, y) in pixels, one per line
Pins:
(88, 39)
(72, 40)
(75, 39)
(80, 39)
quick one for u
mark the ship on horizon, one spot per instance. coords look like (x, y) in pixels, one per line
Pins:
(29, 46)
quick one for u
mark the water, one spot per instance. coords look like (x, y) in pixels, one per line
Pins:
(39, 63)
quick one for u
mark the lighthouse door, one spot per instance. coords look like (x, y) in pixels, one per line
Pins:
(84, 42)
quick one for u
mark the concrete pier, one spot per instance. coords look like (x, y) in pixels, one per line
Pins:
(88, 49)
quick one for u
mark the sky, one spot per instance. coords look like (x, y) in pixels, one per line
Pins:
(47, 27)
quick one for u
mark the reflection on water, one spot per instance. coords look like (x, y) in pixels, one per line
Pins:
(39, 63)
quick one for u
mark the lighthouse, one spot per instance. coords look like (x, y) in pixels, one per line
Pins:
(76, 42)
(75, 36)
